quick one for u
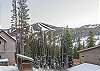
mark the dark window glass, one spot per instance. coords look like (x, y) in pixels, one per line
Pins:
(0, 42)
(82, 56)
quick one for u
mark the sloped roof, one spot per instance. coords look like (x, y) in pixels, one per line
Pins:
(86, 49)
(8, 34)
(4, 60)
(25, 57)
(85, 67)
(3, 38)
(8, 68)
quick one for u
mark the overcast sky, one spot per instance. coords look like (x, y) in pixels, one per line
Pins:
(74, 13)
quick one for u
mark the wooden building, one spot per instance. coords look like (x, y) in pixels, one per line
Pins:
(90, 55)
(7, 47)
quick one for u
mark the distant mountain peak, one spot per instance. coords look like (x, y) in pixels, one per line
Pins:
(90, 26)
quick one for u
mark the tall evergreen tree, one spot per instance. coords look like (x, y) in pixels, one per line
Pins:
(67, 41)
(31, 49)
(90, 40)
(68, 45)
(79, 45)
(24, 26)
(20, 19)
(68, 37)
(75, 53)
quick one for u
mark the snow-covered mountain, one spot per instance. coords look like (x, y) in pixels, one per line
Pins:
(83, 32)
(90, 26)
(76, 32)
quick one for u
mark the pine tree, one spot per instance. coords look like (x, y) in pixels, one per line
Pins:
(75, 53)
(20, 19)
(31, 49)
(90, 40)
(67, 41)
(79, 45)
(68, 45)
(68, 37)
(83, 45)
(23, 23)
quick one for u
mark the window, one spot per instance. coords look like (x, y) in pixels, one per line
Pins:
(0, 56)
(0, 42)
(82, 56)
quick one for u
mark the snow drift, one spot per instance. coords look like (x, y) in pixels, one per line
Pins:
(85, 67)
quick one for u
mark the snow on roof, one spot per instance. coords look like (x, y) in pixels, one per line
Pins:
(8, 34)
(97, 46)
(25, 57)
(3, 38)
(42, 69)
(8, 68)
(4, 60)
(85, 67)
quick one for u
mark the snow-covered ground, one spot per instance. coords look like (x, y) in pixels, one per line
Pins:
(40, 69)
(8, 68)
(85, 67)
